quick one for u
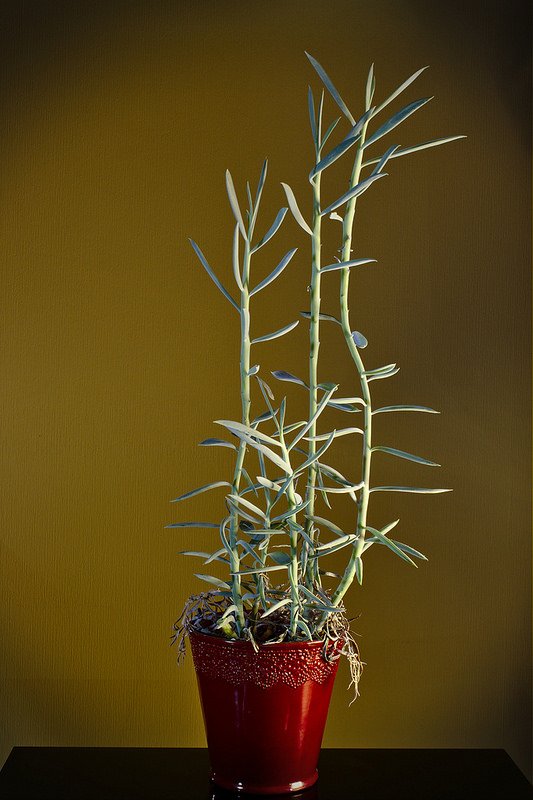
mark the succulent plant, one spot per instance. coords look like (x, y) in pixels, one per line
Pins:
(273, 525)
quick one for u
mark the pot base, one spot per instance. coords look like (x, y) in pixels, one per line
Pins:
(249, 788)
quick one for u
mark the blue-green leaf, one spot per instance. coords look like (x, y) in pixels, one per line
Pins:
(382, 538)
(281, 332)
(359, 569)
(259, 192)
(327, 524)
(331, 88)
(322, 317)
(404, 151)
(234, 203)
(236, 499)
(355, 191)
(217, 443)
(377, 375)
(212, 275)
(275, 272)
(342, 541)
(410, 550)
(347, 264)
(370, 86)
(312, 116)
(272, 230)
(200, 489)
(281, 375)
(332, 156)
(193, 525)
(329, 132)
(235, 259)
(214, 581)
(408, 456)
(293, 205)
(342, 432)
(399, 90)
(253, 370)
(384, 158)
(396, 120)
(280, 558)
(412, 489)
(276, 607)
(387, 409)
(359, 340)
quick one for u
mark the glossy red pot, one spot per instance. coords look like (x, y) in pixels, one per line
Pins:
(264, 712)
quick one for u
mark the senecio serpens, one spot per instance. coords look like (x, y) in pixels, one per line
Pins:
(271, 524)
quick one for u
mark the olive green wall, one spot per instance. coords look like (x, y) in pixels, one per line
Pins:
(118, 121)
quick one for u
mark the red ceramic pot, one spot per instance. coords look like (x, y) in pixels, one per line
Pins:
(264, 712)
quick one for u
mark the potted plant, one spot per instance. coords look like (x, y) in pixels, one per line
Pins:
(267, 637)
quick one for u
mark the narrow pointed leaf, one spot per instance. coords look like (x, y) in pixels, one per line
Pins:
(402, 454)
(327, 524)
(280, 216)
(214, 581)
(347, 264)
(319, 409)
(253, 433)
(276, 334)
(212, 275)
(241, 501)
(281, 375)
(316, 600)
(280, 558)
(296, 213)
(396, 120)
(216, 556)
(404, 151)
(399, 90)
(359, 569)
(384, 158)
(412, 489)
(377, 376)
(276, 607)
(329, 132)
(200, 489)
(323, 436)
(312, 115)
(331, 88)
(253, 370)
(259, 192)
(343, 540)
(270, 454)
(387, 409)
(234, 203)
(274, 274)
(216, 443)
(354, 192)
(370, 86)
(193, 525)
(235, 259)
(259, 570)
(311, 460)
(390, 544)
(193, 553)
(332, 156)
(410, 550)
(322, 317)
(263, 417)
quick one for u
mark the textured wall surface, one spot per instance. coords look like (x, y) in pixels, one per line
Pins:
(118, 121)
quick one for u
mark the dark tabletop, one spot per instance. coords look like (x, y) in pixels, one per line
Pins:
(142, 773)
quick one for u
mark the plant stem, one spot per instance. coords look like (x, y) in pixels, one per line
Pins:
(293, 568)
(347, 236)
(245, 419)
(312, 573)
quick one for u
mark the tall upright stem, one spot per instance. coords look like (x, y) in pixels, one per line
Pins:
(314, 341)
(245, 419)
(347, 236)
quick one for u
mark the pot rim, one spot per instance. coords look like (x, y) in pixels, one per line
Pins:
(247, 644)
